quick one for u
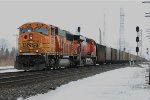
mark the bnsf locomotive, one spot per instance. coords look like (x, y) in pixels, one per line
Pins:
(46, 46)
(43, 46)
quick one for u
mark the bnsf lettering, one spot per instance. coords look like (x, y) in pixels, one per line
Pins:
(30, 44)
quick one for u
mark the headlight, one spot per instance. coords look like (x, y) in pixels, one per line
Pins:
(30, 35)
(37, 51)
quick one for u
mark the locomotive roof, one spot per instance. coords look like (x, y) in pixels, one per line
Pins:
(69, 35)
(29, 23)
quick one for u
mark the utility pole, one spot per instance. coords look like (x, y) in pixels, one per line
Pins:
(121, 35)
(149, 67)
(140, 44)
(104, 41)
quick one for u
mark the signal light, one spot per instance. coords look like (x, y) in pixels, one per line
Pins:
(137, 29)
(137, 39)
(79, 29)
(137, 49)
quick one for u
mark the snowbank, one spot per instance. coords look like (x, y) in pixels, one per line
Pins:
(120, 84)
(5, 69)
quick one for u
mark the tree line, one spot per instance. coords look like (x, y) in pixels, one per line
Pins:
(7, 56)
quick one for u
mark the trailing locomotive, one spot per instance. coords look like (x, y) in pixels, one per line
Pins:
(43, 46)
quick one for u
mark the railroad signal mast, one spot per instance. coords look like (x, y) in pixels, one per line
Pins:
(147, 54)
(139, 42)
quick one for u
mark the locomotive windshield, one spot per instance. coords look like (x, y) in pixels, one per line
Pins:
(42, 30)
(23, 30)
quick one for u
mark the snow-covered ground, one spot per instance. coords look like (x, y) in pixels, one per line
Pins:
(8, 69)
(121, 84)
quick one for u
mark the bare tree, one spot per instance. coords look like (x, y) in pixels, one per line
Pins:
(13, 52)
(3, 46)
(7, 54)
(6, 57)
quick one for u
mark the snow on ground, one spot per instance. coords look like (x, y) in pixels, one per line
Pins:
(5, 69)
(120, 84)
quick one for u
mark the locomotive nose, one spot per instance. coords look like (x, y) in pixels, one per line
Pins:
(29, 42)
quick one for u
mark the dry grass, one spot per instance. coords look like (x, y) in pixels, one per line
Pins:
(8, 62)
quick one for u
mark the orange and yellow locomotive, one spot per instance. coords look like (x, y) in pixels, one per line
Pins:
(46, 46)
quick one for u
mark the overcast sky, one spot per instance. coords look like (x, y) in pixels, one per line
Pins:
(89, 15)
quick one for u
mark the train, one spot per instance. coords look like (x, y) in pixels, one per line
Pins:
(44, 46)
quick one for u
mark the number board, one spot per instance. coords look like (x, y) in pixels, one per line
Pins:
(30, 44)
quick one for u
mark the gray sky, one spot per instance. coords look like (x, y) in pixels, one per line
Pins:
(89, 15)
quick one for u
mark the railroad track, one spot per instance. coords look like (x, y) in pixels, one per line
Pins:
(25, 78)
(25, 84)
